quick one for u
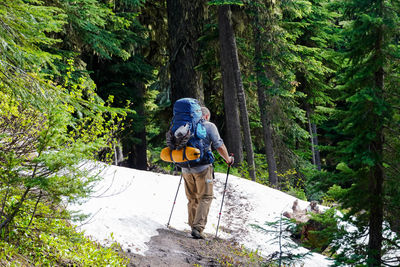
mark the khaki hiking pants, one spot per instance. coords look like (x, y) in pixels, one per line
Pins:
(199, 192)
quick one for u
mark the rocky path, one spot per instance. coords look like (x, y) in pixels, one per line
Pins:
(175, 248)
(178, 249)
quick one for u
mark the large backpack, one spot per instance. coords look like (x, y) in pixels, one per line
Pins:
(187, 131)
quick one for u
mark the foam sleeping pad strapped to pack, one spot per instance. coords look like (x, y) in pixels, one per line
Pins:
(186, 154)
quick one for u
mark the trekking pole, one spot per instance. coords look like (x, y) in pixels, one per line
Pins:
(173, 205)
(223, 196)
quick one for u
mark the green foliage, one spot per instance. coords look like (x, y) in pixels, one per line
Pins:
(297, 58)
(123, 73)
(297, 192)
(94, 28)
(25, 27)
(57, 55)
(334, 194)
(252, 257)
(321, 230)
(279, 229)
(292, 184)
(51, 241)
(221, 166)
(366, 110)
(261, 169)
(49, 129)
(41, 151)
(225, 2)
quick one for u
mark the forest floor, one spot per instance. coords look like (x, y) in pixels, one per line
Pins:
(175, 248)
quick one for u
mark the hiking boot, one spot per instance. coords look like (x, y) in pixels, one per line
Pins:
(196, 234)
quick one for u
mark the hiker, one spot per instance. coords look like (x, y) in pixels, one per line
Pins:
(199, 179)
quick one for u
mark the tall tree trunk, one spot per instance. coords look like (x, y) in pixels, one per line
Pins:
(138, 152)
(316, 149)
(248, 143)
(262, 103)
(376, 180)
(185, 25)
(376, 214)
(233, 130)
(231, 49)
(312, 128)
(267, 133)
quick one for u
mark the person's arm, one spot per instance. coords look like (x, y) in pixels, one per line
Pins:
(224, 153)
(217, 143)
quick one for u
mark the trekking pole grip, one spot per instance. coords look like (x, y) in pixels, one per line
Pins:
(233, 159)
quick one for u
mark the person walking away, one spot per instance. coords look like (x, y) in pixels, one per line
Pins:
(199, 179)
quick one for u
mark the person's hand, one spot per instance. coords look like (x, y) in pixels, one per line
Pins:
(231, 161)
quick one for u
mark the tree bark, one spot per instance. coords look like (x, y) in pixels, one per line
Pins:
(316, 149)
(312, 129)
(138, 153)
(267, 133)
(262, 103)
(185, 25)
(376, 181)
(376, 212)
(232, 50)
(227, 44)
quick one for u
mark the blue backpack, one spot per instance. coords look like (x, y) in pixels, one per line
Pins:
(187, 129)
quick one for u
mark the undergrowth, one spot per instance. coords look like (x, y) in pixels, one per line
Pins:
(53, 241)
(241, 256)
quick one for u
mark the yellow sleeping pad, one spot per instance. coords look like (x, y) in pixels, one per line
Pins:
(191, 153)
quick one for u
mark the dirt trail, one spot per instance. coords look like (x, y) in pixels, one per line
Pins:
(175, 248)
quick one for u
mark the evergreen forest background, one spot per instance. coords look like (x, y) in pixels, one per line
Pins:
(305, 93)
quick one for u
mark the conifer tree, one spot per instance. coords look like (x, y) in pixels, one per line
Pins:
(314, 47)
(371, 29)
(261, 29)
(277, 27)
(233, 81)
(125, 79)
(234, 138)
(185, 26)
(47, 130)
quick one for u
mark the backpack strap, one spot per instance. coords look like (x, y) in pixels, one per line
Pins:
(172, 158)
(184, 153)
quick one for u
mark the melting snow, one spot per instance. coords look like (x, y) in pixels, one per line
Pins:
(129, 205)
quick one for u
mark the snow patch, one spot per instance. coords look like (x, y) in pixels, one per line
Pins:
(129, 205)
